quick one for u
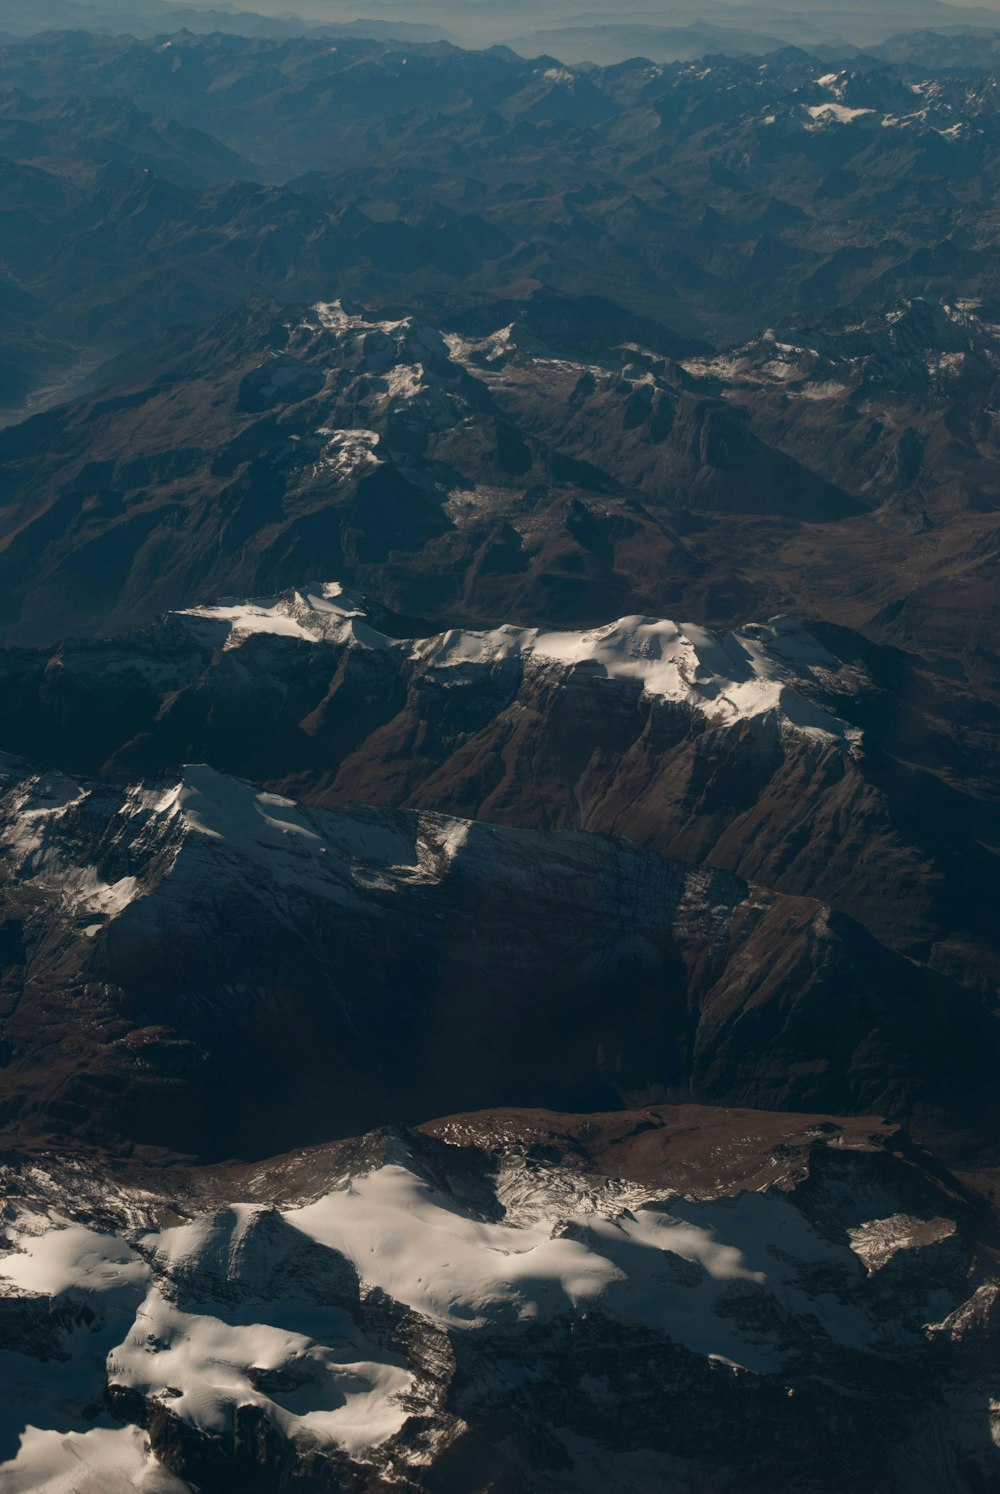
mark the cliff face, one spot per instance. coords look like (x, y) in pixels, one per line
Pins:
(809, 761)
(211, 968)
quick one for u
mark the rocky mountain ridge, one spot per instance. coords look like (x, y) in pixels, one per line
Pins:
(379, 447)
(526, 463)
(498, 574)
(833, 184)
(813, 769)
(200, 963)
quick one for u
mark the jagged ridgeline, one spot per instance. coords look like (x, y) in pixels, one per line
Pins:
(214, 970)
(499, 701)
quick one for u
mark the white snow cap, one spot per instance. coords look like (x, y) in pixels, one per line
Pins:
(735, 676)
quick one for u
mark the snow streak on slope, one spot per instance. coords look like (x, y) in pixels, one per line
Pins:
(104, 1460)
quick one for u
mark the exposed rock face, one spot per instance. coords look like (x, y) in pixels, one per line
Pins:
(200, 965)
(809, 761)
(476, 1305)
(627, 745)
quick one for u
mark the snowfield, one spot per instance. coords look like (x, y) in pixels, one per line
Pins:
(276, 1310)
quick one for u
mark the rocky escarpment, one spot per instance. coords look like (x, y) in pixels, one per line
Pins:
(475, 1304)
(200, 965)
(807, 760)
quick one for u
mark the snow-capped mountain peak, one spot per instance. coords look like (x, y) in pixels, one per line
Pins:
(754, 671)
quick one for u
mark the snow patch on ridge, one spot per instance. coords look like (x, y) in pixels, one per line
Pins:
(332, 317)
(464, 1273)
(211, 1363)
(348, 453)
(737, 676)
(181, 836)
(287, 848)
(324, 612)
(839, 112)
(33, 841)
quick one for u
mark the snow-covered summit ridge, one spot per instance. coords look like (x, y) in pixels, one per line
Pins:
(58, 832)
(750, 672)
(314, 614)
(159, 855)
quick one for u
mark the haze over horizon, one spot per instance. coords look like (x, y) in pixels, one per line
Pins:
(575, 31)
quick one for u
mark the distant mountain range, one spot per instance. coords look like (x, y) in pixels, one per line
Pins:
(866, 184)
(668, 33)
(499, 746)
